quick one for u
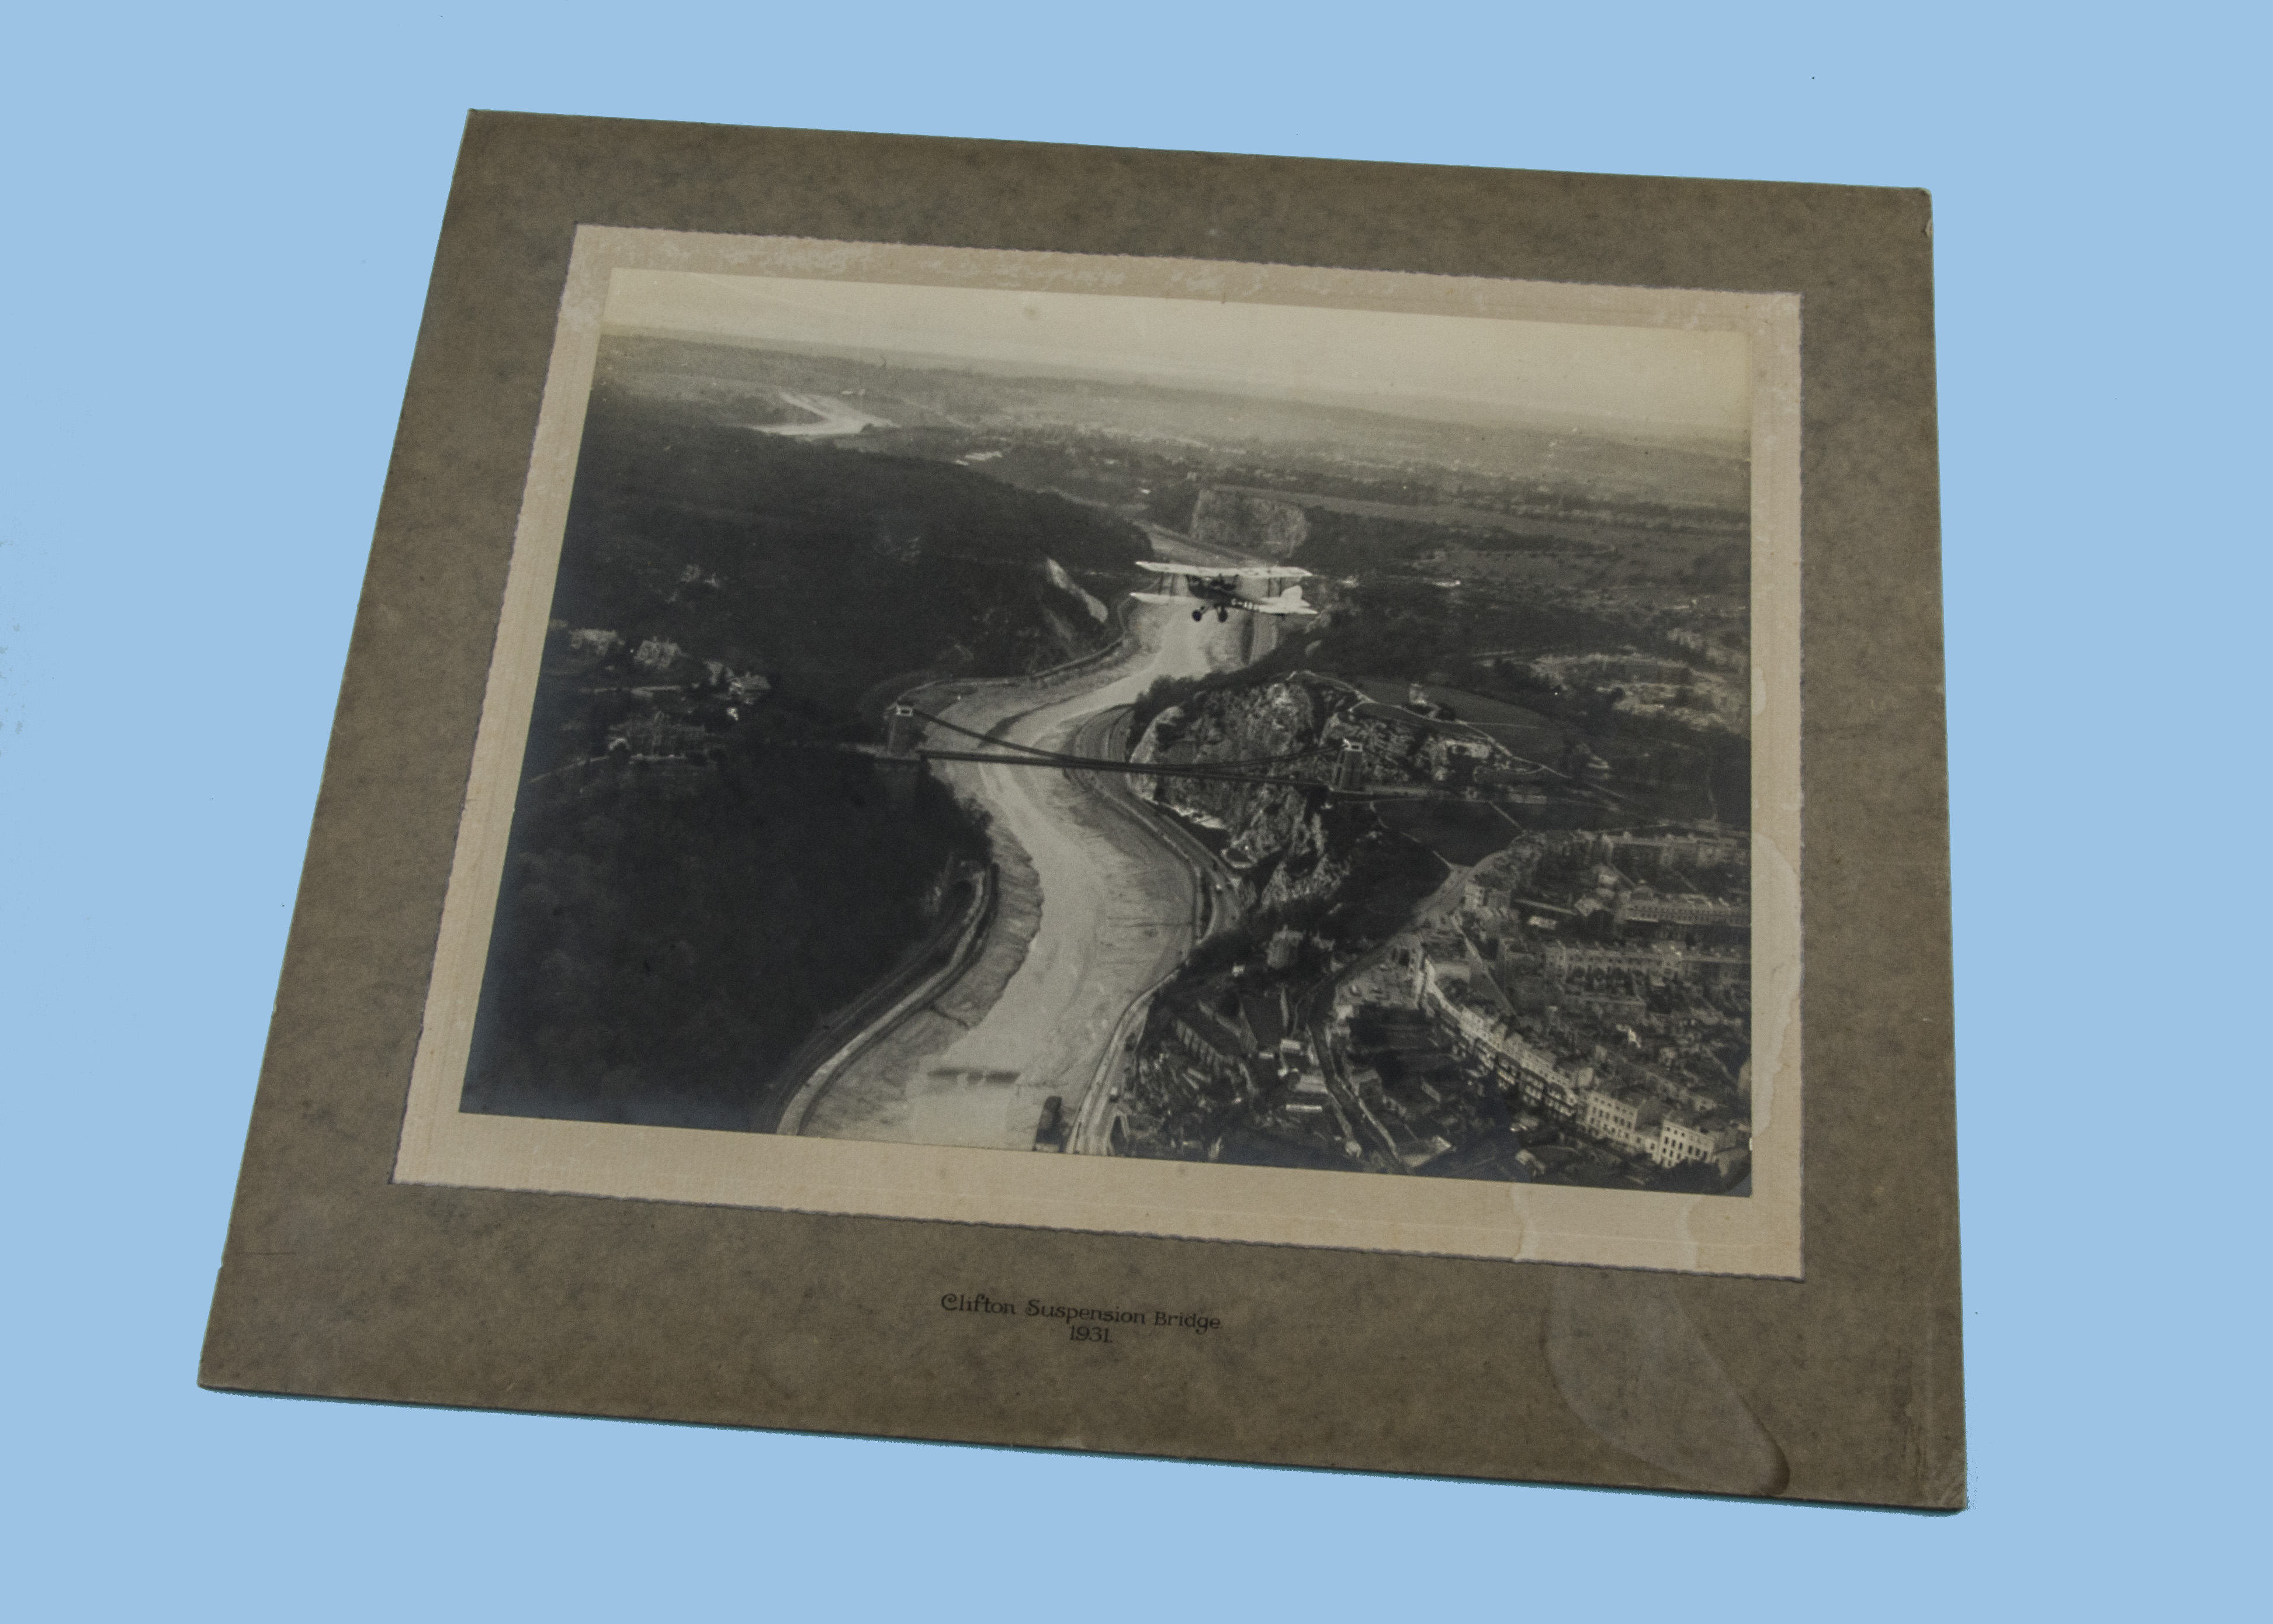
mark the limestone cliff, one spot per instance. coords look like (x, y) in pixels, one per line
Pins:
(1241, 522)
(1272, 834)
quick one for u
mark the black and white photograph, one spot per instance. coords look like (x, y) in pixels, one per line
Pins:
(1153, 728)
(1136, 787)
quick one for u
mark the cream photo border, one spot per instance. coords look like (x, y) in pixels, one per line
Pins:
(1758, 1234)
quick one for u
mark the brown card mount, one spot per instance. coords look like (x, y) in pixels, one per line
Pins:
(1150, 803)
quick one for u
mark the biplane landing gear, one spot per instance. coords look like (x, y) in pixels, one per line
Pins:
(1199, 614)
(1223, 614)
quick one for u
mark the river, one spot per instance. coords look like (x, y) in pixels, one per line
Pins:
(1095, 910)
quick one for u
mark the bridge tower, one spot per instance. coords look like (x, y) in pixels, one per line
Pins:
(899, 766)
(1349, 772)
(901, 730)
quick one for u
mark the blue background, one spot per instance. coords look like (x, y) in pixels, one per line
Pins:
(219, 226)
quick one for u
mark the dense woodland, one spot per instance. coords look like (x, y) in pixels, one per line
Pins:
(667, 936)
(828, 567)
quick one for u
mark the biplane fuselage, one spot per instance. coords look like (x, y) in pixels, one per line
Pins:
(1209, 587)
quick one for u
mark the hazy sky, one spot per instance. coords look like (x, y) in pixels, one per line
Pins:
(1466, 369)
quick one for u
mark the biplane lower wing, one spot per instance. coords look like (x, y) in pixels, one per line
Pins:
(1249, 605)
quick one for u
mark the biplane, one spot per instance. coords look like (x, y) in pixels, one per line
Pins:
(1212, 587)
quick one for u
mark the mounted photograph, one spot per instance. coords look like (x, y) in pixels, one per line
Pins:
(1147, 803)
(1242, 752)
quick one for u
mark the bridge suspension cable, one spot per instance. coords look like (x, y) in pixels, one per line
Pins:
(1095, 764)
(1059, 757)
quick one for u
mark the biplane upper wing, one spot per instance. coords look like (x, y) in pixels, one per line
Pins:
(1215, 572)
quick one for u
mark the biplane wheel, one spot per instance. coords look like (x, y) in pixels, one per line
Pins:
(1223, 614)
(1199, 614)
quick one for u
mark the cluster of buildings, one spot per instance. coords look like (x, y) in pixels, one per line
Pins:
(1579, 1012)
(671, 731)
(1607, 1014)
(656, 736)
(1219, 1051)
(656, 655)
(1625, 1100)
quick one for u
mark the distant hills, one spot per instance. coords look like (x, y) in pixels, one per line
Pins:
(1581, 460)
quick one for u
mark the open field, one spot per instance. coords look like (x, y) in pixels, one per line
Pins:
(1527, 733)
